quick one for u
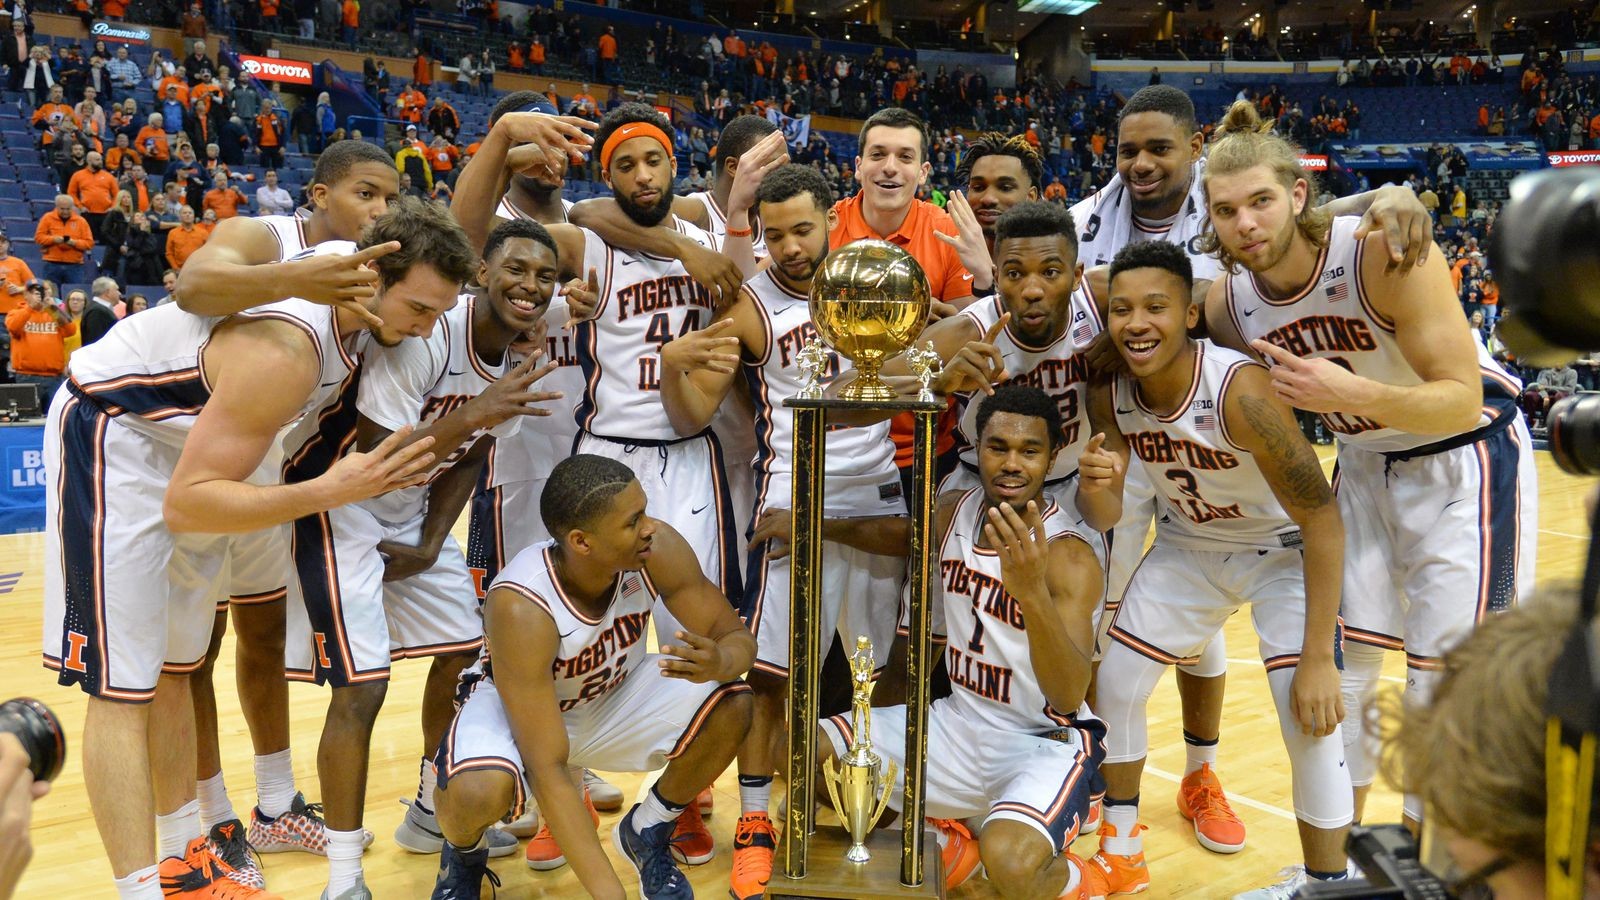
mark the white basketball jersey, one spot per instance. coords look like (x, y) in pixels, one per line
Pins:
(986, 654)
(645, 301)
(1106, 223)
(149, 367)
(718, 219)
(1212, 496)
(863, 454)
(1331, 318)
(290, 232)
(506, 210)
(1059, 368)
(595, 654)
(420, 381)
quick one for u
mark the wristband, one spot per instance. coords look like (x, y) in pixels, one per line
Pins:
(739, 232)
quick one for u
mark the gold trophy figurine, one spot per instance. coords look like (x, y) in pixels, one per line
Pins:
(860, 791)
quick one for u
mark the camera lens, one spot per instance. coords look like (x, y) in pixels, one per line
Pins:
(1574, 425)
(39, 732)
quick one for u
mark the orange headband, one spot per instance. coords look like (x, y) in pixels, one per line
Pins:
(629, 132)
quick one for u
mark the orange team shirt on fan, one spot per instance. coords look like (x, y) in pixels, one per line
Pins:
(608, 47)
(225, 202)
(269, 125)
(444, 159)
(93, 191)
(40, 350)
(114, 8)
(153, 143)
(183, 242)
(352, 14)
(16, 274)
(948, 280)
(174, 81)
(515, 57)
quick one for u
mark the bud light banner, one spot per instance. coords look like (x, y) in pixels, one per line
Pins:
(120, 32)
(288, 71)
(22, 492)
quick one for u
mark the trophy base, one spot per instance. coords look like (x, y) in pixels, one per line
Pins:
(873, 391)
(833, 878)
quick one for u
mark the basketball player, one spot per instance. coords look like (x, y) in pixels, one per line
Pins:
(640, 302)
(128, 626)
(1014, 743)
(862, 562)
(997, 172)
(1436, 476)
(249, 261)
(1246, 516)
(505, 509)
(565, 680)
(1156, 194)
(383, 579)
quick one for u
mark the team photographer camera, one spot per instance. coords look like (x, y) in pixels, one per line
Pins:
(32, 749)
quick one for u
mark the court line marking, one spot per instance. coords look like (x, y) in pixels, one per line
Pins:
(1565, 534)
(1257, 663)
(1232, 797)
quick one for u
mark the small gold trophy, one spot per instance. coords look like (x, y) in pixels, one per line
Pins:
(869, 301)
(859, 789)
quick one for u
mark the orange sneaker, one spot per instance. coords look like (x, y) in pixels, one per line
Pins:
(1091, 881)
(959, 854)
(543, 852)
(691, 841)
(1121, 873)
(1201, 801)
(754, 842)
(703, 801)
(200, 874)
(1091, 823)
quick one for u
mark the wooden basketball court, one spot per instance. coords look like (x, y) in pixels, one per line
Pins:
(68, 861)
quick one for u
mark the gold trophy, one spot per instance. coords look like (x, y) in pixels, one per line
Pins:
(858, 787)
(869, 301)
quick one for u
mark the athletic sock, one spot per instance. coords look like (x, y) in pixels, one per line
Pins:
(1123, 817)
(481, 845)
(144, 884)
(176, 829)
(755, 794)
(344, 860)
(426, 782)
(1314, 875)
(1201, 752)
(274, 783)
(215, 807)
(654, 810)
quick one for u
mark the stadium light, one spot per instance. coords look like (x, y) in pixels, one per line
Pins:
(1058, 7)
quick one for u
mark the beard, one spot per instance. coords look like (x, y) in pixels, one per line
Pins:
(813, 264)
(1277, 248)
(647, 216)
(1157, 207)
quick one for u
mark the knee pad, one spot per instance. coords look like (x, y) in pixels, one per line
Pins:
(1322, 796)
(1122, 688)
(1359, 683)
(1213, 659)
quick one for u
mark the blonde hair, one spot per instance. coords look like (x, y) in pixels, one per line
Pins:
(1243, 141)
(125, 207)
(1475, 753)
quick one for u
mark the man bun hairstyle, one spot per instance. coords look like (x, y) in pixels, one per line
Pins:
(579, 491)
(1023, 400)
(792, 179)
(1154, 255)
(1242, 142)
(428, 235)
(994, 143)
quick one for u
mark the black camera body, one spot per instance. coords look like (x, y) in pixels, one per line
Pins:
(39, 731)
(1391, 866)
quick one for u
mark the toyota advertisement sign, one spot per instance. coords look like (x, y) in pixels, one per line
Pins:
(288, 71)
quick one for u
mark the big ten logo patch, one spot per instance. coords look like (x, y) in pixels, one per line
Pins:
(24, 469)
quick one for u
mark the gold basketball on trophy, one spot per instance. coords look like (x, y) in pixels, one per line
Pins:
(869, 301)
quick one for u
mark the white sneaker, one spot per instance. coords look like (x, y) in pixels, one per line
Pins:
(1293, 878)
(605, 796)
(525, 827)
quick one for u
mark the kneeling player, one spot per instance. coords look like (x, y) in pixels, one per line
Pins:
(1014, 742)
(564, 680)
(1246, 517)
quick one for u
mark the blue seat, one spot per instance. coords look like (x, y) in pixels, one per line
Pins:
(10, 190)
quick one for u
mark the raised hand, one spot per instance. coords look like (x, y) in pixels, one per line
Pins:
(583, 298)
(1097, 467)
(1023, 549)
(767, 154)
(567, 136)
(709, 349)
(1406, 224)
(1314, 385)
(391, 465)
(968, 240)
(978, 366)
(342, 281)
(509, 395)
(694, 658)
(719, 274)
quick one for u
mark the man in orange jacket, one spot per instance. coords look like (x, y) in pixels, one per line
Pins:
(63, 238)
(94, 190)
(39, 330)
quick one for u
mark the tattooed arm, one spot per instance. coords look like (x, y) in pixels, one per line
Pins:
(1264, 425)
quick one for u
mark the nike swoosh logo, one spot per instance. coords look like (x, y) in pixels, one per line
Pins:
(333, 383)
(1124, 412)
(455, 373)
(567, 634)
(628, 262)
(1249, 312)
(967, 277)
(628, 129)
(699, 511)
(1454, 502)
